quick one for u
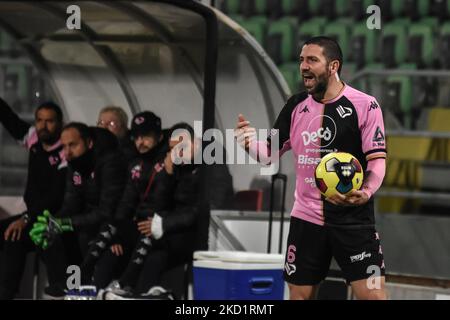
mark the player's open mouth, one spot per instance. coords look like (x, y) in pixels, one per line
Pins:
(308, 79)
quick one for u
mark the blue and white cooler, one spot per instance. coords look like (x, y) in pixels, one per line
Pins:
(238, 275)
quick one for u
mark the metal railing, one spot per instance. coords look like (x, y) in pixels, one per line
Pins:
(423, 85)
(400, 72)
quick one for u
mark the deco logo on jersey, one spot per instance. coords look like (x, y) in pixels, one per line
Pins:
(325, 134)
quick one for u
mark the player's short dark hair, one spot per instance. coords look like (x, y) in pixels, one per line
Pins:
(184, 126)
(50, 105)
(331, 49)
(85, 131)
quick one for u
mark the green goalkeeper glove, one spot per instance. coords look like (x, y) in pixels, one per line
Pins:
(47, 227)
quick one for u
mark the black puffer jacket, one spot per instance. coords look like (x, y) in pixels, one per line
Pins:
(149, 188)
(126, 145)
(92, 198)
(180, 223)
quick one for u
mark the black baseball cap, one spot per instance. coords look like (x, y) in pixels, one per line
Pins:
(145, 123)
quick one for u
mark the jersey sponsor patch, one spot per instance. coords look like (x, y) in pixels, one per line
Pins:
(305, 160)
(290, 268)
(136, 172)
(53, 160)
(344, 111)
(304, 110)
(324, 134)
(76, 179)
(373, 105)
(159, 166)
(360, 257)
(378, 136)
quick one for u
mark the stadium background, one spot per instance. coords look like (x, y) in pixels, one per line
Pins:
(148, 55)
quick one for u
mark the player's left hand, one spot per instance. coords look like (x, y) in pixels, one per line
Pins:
(353, 198)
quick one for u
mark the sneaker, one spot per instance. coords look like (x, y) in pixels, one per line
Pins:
(158, 293)
(113, 286)
(54, 293)
(101, 294)
(114, 291)
(111, 295)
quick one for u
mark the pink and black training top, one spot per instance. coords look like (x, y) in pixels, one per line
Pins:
(352, 122)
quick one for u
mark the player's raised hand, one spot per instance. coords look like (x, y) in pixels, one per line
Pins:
(243, 132)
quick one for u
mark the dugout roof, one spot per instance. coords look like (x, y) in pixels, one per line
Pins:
(144, 55)
(164, 56)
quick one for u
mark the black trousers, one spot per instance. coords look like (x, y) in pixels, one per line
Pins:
(161, 256)
(64, 251)
(108, 266)
(156, 262)
(172, 250)
(13, 257)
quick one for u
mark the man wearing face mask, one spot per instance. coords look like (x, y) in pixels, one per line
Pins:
(174, 231)
(44, 188)
(148, 190)
(96, 178)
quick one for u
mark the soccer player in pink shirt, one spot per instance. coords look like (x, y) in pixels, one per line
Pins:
(329, 116)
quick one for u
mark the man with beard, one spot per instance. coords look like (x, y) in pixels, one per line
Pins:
(330, 116)
(95, 184)
(44, 188)
(148, 190)
(174, 232)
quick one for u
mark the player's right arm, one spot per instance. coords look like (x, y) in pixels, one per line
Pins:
(258, 149)
(16, 127)
(278, 140)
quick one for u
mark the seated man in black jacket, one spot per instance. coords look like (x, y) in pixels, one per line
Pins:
(96, 179)
(44, 188)
(149, 189)
(172, 231)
